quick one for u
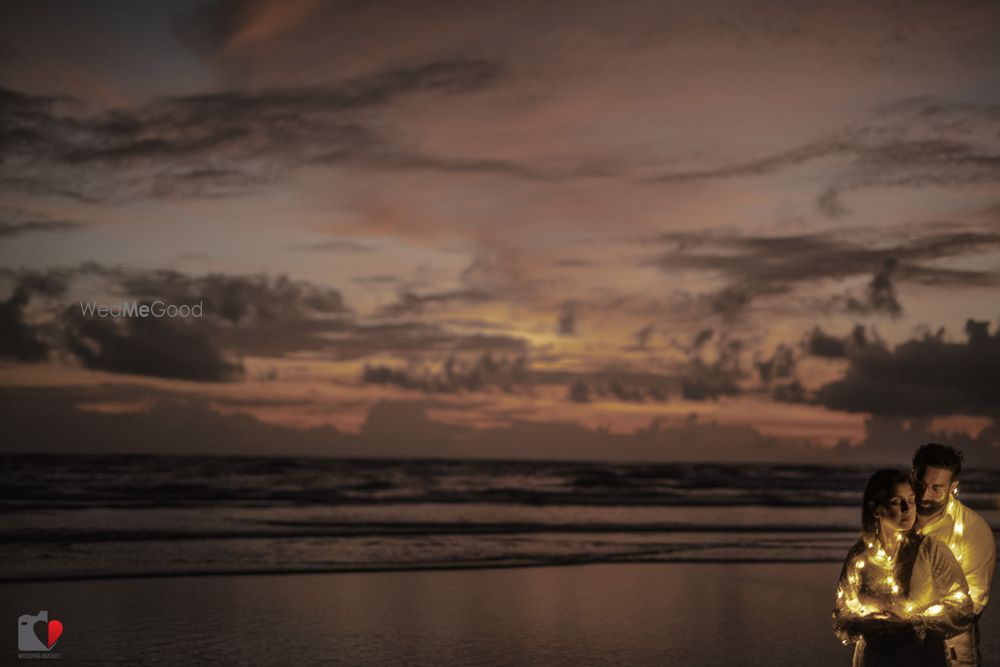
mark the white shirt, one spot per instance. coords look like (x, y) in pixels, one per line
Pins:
(971, 540)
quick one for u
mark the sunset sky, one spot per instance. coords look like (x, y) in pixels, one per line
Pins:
(644, 230)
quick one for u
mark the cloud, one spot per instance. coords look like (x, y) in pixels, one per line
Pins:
(51, 420)
(914, 142)
(156, 347)
(20, 339)
(456, 375)
(759, 266)
(621, 386)
(258, 315)
(709, 379)
(566, 323)
(410, 303)
(921, 378)
(820, 344)
(893, 440)
(879, 298)
(237, 299)
(780, 365)
(579, 392)
(334, 246)
(18, 222)
(223, 143)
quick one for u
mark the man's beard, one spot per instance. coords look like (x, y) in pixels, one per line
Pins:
(931, 508)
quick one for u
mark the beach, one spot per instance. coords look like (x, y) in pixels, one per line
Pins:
(257, 561)
(608, 614)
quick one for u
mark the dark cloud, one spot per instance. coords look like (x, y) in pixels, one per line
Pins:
(879, 298)
(818, 343)
(377, 279)
(579, 392)
(893, 440)
(456, 375)
(881, 291)
(790, 392)
(773, 265)
(334, 246)
(19, 339)
(237, 299)
(222, 143)
(410, 303)
(780, 365)
(621, 386)
(729, 302)
(916, 142)
(265, 315)
(921, 378)
(566, 322)
(17, 222)
(642, 337)
(709, 380)
(157, 347)
(50, 421)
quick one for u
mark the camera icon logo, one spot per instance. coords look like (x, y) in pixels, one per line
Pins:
(37, 633)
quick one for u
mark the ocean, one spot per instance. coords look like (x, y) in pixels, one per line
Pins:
(80, 517)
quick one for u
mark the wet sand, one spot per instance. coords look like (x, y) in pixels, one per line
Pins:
(648, 614)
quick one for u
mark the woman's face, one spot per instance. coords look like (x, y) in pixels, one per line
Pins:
(899, 511)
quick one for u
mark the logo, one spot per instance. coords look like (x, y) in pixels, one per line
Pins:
(38, 633)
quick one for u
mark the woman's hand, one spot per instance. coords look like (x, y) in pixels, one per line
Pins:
(884, 625)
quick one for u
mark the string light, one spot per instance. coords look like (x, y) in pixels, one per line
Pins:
(933, 610)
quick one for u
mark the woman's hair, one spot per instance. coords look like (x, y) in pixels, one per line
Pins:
(879, 489)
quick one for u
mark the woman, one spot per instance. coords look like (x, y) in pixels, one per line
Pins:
(900, 593)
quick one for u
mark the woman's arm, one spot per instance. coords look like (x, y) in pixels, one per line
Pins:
(852, 615)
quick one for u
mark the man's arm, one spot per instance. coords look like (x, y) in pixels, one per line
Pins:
(978, 561)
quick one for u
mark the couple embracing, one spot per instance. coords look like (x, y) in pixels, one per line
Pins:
(914, 585)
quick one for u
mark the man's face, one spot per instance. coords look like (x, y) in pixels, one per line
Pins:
(933, 487)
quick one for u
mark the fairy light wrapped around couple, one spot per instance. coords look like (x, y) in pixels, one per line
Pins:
(903, 597)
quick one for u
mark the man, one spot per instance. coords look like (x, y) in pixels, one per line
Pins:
(941, 516)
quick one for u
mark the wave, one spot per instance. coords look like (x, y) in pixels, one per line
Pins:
(335, 530)
(408, 567)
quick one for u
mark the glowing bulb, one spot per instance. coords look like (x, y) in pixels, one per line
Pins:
(958, 595)
(899, 537)
(871, 545)
(909, 607)
(860, 564)
(840, 593)
(933, 610)
(881, 553)
(895, 589)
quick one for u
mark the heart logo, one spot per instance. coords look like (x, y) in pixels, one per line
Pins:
(49, 633)
(55, 632)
